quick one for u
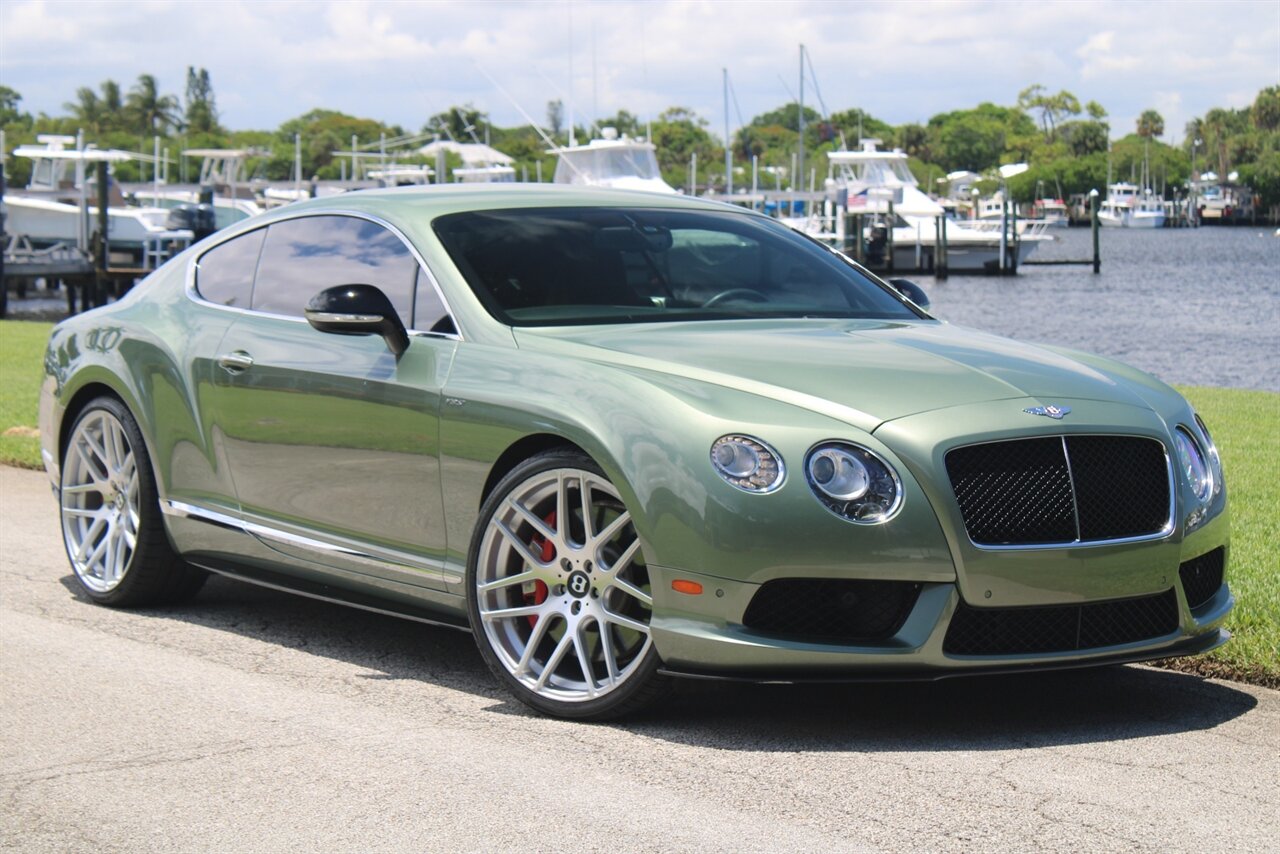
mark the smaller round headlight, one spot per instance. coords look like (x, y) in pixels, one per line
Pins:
(1193, 464)
(853, 482)
(747, 463)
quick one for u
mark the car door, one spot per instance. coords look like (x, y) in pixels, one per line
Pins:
(331, 440)
(189, 457)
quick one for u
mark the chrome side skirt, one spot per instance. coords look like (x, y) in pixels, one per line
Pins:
(412, 568)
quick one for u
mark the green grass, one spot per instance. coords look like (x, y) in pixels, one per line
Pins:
(21, 371)
(1243, 425)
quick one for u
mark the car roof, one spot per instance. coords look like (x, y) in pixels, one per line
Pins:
(440, 199)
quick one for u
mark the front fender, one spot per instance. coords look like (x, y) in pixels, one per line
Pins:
(652, 435)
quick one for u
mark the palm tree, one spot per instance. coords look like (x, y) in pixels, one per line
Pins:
(1216, 127)
(150, 110)
(1150, 124)
(87, 109)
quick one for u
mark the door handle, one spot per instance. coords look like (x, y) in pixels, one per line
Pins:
(235, 363)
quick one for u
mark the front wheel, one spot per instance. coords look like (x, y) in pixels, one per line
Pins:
(558, 593)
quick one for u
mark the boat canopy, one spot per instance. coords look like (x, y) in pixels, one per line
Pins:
(473, 154)
(576, 166)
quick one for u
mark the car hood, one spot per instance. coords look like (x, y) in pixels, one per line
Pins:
(860, 371)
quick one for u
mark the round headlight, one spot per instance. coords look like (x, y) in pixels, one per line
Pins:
(1215, 461)
(747, 463)
(839, 474)
(853, 482)
(1193, 464)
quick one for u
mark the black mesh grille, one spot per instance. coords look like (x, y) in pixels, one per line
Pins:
(831, 609)
(1060, 628)
(1042, 491)
(1202, 576)
(1122, 486)
(1014, 492)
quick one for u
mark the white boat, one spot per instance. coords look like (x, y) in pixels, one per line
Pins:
(621, 163)
(992, 208)
(1053, 212)
(403, 175)
(484, 174)
(1222, 201)
(57, 205)
(1128, 206)
(481, 164)
(871, 178)
(222, 171)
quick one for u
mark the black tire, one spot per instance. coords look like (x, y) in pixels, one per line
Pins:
(641, 684)
(153, 574)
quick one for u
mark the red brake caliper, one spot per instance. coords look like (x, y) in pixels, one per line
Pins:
(536, 592)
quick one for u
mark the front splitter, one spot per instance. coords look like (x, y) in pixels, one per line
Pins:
(1189, 646)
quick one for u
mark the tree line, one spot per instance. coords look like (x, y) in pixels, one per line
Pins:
(1068, 144)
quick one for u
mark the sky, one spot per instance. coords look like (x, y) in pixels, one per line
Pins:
(401, 62)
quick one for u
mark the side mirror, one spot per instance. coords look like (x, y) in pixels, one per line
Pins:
(358, 310)
(911, 291)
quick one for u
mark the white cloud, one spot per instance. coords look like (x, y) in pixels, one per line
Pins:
(401, 62)
(1099, 56)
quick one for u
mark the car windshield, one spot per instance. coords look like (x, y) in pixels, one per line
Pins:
(555, 266)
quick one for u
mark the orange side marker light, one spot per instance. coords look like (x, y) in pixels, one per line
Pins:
(682, 585)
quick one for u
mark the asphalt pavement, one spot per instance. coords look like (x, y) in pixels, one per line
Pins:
(250, 720)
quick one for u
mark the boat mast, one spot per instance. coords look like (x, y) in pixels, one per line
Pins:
(798, 181)
(728, 145)
(572, 140)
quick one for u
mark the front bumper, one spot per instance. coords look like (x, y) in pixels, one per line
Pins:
(702, 635)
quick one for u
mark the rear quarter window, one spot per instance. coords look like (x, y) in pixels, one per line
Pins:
(224, 274)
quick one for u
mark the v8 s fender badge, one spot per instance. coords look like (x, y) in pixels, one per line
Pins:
(1052, 411)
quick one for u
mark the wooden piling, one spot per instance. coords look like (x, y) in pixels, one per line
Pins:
(1093, 224)
(1014, 239)
(940, 247)
(104, 242)
(1004, 233)
(888, 239)
(946, 248)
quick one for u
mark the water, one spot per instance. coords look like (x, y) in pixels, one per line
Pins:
(1192, 306)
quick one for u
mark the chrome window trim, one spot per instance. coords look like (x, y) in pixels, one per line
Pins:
(194, 264)
(1170, 524)
(408, 565)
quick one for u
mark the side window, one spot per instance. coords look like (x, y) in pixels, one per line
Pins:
(224, 274)
(429, 313)
(306, 255)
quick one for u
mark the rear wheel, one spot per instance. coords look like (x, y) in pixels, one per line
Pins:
(111, 521)
(558, 592)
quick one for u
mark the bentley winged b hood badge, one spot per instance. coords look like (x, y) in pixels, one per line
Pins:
(1052, 411)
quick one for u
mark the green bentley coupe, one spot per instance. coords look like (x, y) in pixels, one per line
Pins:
(624, 438)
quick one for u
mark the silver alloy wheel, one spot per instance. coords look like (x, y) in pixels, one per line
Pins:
(561, 586)
(100, 501)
